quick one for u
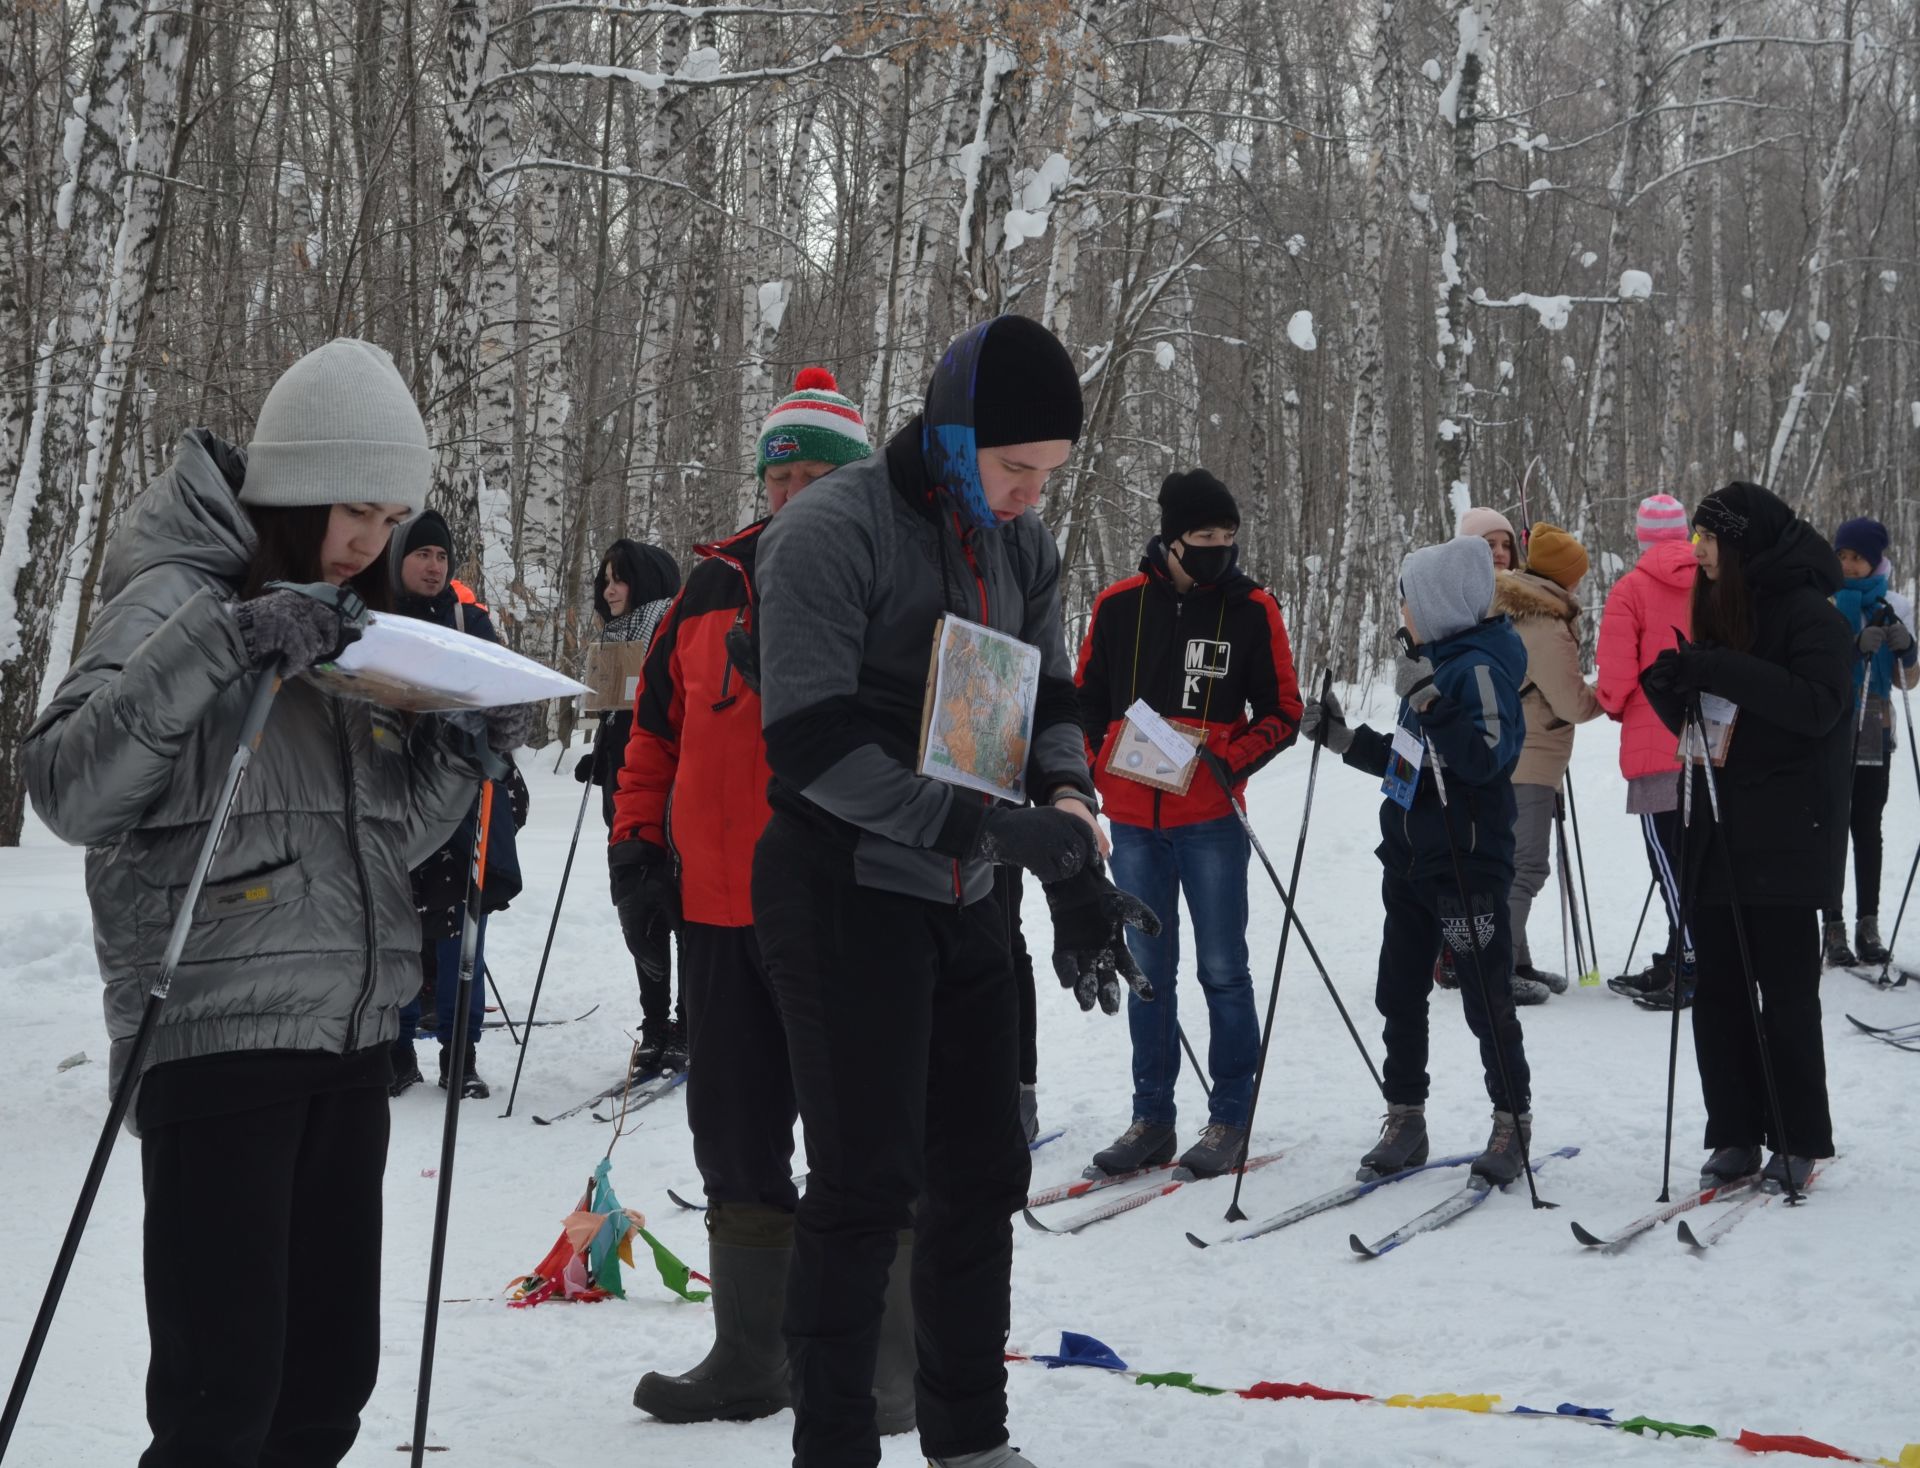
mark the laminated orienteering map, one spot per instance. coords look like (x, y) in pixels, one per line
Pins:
(977, 726)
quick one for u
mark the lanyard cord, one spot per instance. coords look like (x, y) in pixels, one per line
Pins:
(1140, 617)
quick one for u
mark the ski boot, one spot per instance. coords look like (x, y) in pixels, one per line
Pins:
(650, 1055)
(1502, 1162)
(1773, 1177)
(406, 1068)
(1867, 946)
(1402, 1144)
(1729, 1165)
(1554, 983)
(894, 1409)
(1679, 991)
(673, 1057)
(472, 1088)
(1029, 1113)
(1003, 1456)
(1526, 990)
(744, 1376)
(1655, 976)
(1834, 941)
(1217, 1151)
(1144, 1144)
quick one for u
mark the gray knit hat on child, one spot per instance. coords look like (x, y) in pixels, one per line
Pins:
(1448, 587)
(339, 426)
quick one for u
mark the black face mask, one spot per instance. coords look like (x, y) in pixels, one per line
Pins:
(1208, 565)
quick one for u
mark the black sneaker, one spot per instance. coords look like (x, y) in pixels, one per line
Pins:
(1144, 1144)
(406, 1068)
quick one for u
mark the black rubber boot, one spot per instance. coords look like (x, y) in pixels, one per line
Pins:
(893, 1370)
(744, 1376)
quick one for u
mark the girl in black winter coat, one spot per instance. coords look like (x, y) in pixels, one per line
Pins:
(632, 590)
(1768, 640)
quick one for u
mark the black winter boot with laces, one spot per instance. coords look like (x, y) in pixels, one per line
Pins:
(1402, 1144)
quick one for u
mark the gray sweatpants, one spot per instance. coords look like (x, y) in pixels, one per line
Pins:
(1532, 852)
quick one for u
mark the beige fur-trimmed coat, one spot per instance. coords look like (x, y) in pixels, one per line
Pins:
(1555, 696)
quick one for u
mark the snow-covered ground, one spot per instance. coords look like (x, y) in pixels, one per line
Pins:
(1805, 1321)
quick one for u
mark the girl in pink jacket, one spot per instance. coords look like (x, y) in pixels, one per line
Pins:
(1645, 610)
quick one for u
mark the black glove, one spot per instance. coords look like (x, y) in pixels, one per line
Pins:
(1323, 721)
(1050, 843)
(743, 651)
(1090, 921)
(300, 625)
(645, 890)
(583, 772)
(1222, 771)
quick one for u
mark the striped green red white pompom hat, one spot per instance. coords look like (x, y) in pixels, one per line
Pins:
(816, 421)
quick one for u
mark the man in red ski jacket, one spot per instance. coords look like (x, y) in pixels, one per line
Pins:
(688, 812)
(1202, 644)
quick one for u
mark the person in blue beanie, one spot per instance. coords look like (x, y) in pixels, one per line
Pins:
(1882, 623)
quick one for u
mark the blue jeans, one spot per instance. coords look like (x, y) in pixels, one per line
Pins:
(446, 991)
(1208, 862)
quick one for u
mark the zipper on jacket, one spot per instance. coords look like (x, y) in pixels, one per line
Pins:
(359, 871)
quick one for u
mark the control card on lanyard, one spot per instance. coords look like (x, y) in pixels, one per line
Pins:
(1403, 767)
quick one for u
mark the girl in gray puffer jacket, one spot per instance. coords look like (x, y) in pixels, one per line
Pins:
(264, 1095)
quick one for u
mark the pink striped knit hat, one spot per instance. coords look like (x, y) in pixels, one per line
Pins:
(1661, 517)
(815, 421)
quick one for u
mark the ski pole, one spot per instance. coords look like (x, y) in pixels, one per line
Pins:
(1566, 898)
(1675, 897)
(1913, 752)
(1480, 978)
(533, 1004)
(1580, 856)
(1746, 956)
(1645, 908)
(1234, 1213)
(1193, 1060)
(456, 1081)
(252, 726)
(487, 969)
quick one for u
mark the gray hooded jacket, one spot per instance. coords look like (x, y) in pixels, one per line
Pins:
(306, 937)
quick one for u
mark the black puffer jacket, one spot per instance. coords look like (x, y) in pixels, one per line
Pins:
(652, 578)
(1788, 780)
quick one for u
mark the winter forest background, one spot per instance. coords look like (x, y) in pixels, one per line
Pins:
(1367, 261)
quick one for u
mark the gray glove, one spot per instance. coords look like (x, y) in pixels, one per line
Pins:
(1324, 722)
(1890, 635)
(508, 726)
(300, 625)
(1413, 680)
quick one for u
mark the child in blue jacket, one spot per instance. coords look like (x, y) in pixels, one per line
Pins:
(1449, 789)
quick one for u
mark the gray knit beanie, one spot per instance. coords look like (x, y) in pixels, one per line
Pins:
(1448, 587)
(339, 426)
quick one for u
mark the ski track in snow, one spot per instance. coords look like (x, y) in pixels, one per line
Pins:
(1803, 1321)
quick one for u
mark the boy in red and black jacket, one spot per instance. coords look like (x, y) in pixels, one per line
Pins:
(1202, 643)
